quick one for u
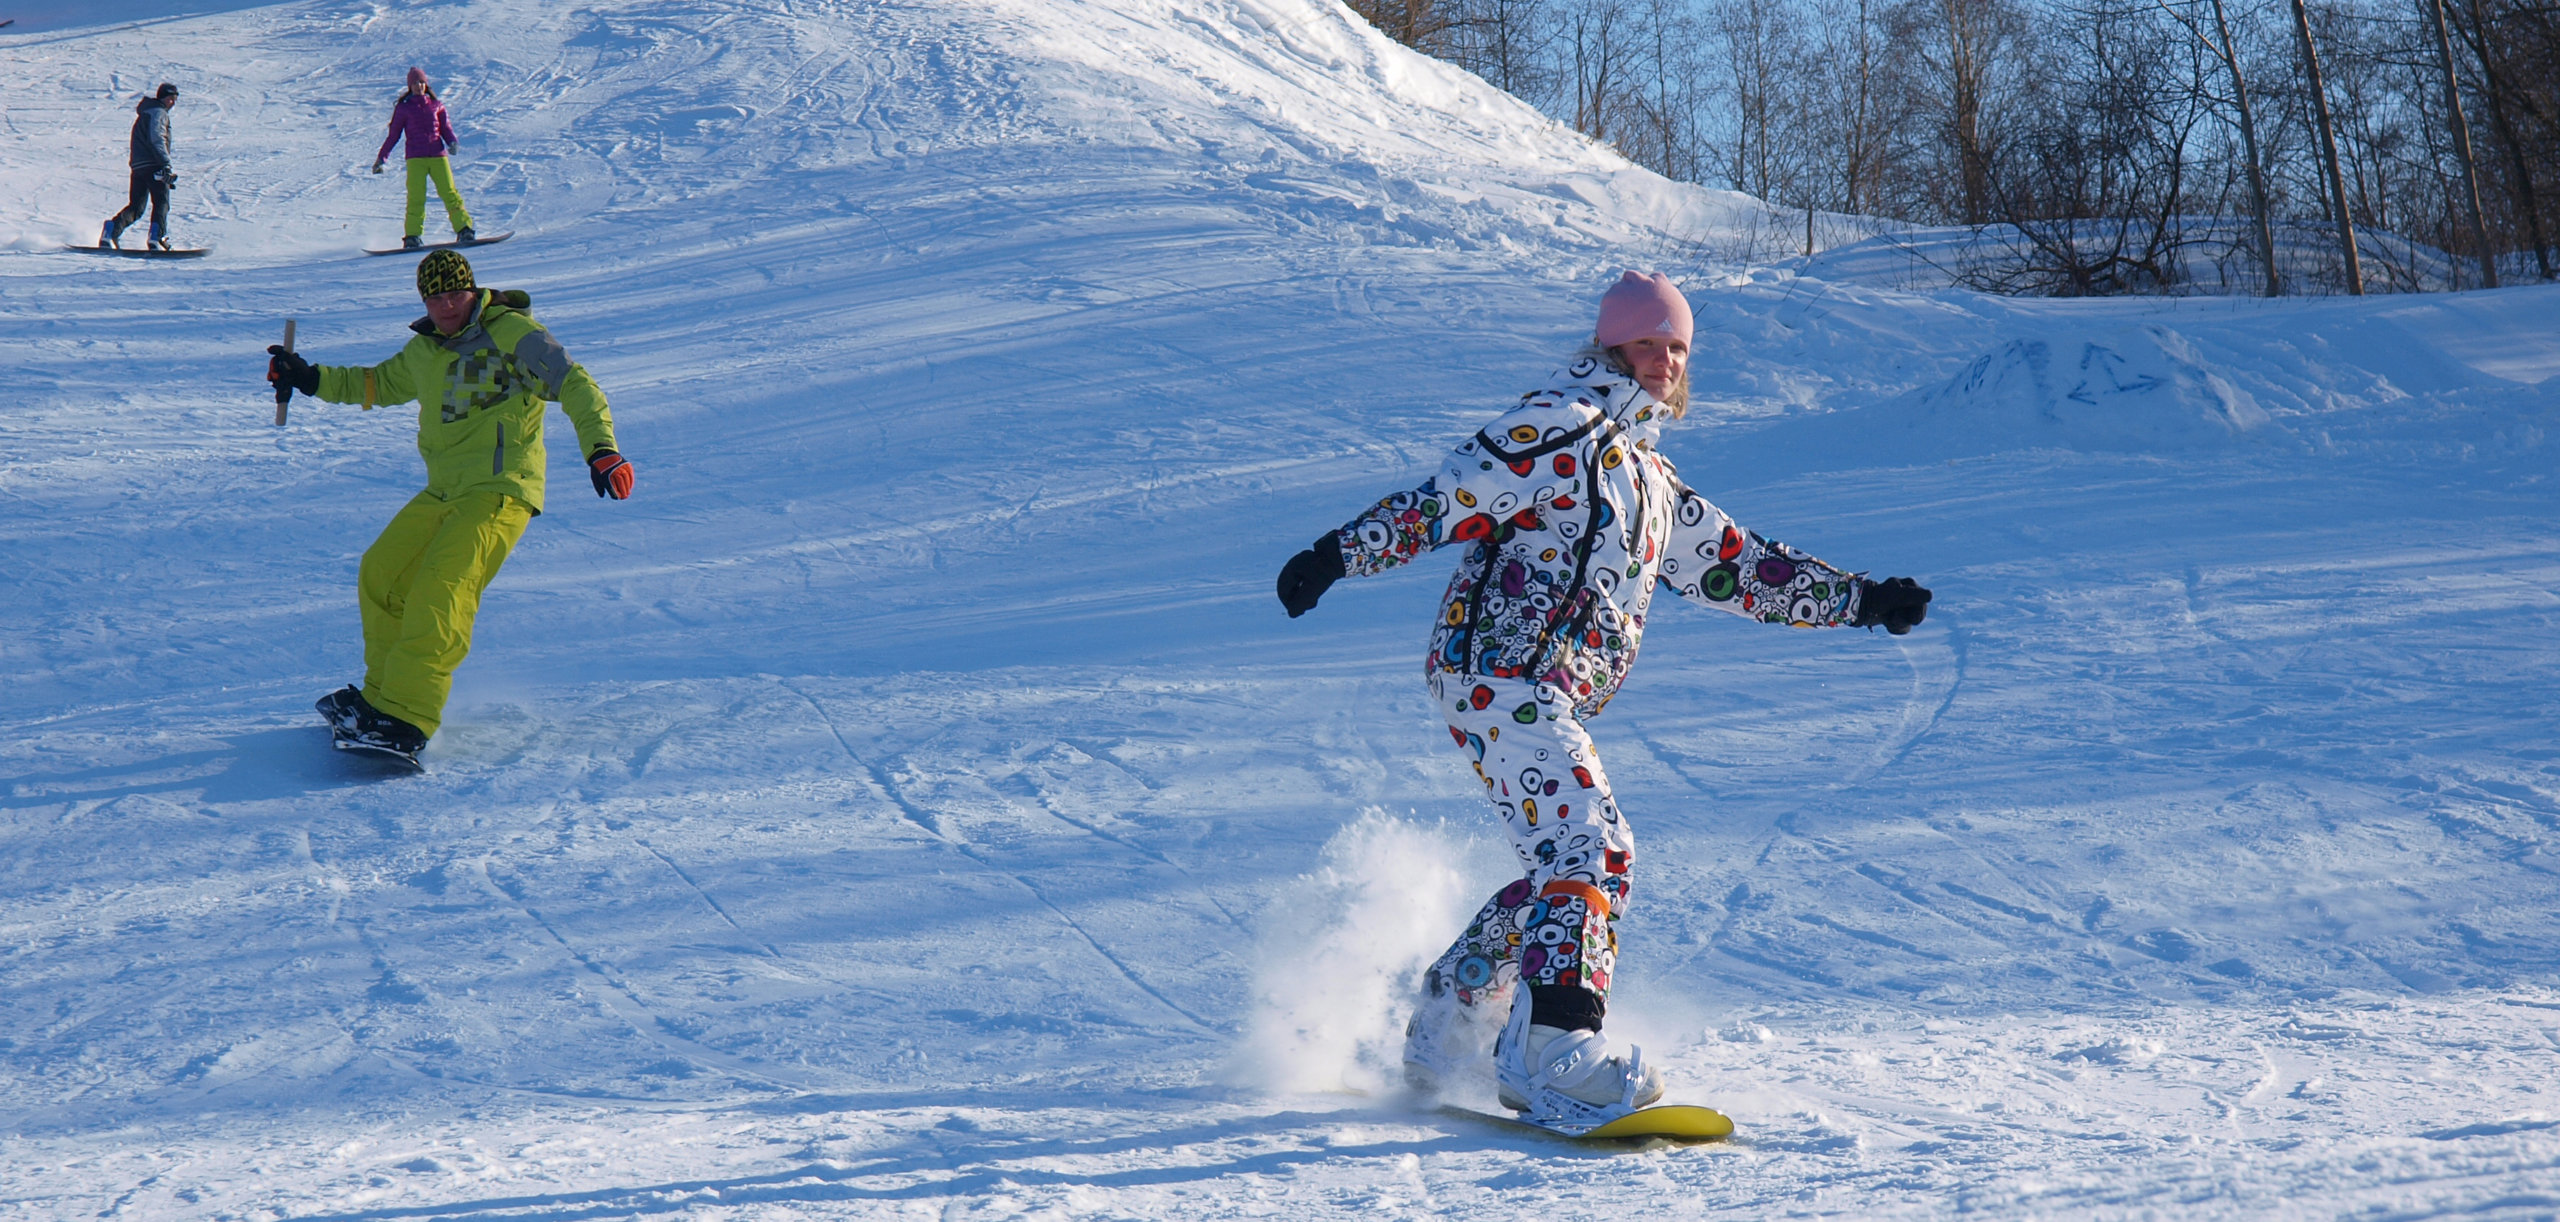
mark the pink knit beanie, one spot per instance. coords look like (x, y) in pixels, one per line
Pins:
(417, 76)
(1642, 304)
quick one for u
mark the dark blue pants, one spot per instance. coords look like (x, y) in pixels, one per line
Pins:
(148, 186)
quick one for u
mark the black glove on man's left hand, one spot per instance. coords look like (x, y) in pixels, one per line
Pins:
(1897, 603)
(1309, 574)
(289, 369)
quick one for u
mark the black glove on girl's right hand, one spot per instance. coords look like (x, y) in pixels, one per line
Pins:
(1309, 574)
(289, 369)
(1897, 603)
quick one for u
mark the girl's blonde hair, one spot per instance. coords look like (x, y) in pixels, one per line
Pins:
(1677, 401)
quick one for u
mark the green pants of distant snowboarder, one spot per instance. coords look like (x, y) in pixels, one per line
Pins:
(420, 584)
(423, 170)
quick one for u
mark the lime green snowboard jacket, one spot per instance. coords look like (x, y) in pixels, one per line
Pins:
(480, 394)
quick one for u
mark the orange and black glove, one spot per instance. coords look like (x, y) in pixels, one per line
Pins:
(611, 473)
(288, 369)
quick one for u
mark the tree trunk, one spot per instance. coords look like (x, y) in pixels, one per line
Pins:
(2249, 146)
(1965, 73)
(2462, 148)
(1857, 194)
(2478, 40)
(1594, 69)
(2329, 150)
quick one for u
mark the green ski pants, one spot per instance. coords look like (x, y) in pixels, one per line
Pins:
(420, 585)
(423, 170)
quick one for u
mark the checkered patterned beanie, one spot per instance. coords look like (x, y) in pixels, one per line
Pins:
(444, 271)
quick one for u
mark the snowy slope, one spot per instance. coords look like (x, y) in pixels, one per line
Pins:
(913, 804)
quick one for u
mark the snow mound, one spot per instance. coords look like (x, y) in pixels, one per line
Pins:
(2214, 258)
(2140, 389)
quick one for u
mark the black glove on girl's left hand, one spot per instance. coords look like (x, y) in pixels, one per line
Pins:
(1897, 603)
(1309, 574)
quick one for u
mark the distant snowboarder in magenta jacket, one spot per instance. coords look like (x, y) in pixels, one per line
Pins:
(421, 118)
(1569, 519)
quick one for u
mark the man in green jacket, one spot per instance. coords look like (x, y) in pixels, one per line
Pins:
(480, 369)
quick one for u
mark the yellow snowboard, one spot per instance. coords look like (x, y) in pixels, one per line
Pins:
(1676, 1122)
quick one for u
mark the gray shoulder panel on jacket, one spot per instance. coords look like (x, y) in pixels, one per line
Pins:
(544, 358)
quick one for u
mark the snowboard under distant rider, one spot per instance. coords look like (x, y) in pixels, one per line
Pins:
(480, 368)
(1569, 515)
(421, 118)
(152, 174)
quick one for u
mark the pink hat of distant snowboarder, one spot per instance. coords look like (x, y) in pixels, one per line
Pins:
(1642, 304)
(417, 76)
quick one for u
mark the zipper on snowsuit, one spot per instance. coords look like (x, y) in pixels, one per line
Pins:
(1588, 599)
(1545, 648)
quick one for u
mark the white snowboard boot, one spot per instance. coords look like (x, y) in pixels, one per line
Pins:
(1561, 1077)
(1446, 1039)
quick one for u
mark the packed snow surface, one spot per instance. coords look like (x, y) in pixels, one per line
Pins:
(914, 804)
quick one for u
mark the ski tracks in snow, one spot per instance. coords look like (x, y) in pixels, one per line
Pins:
(954, 835)
(636, 1012)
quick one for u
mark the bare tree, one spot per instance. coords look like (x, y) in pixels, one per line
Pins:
(1757, 41)
(2093, 184)
(1660, 127)
(2227, 53)
(1846, 115)
(1588, 33)
(2495, 86)
(2329, 150)
(1508, 43)
(1421, 24)
(2095, 146)
(1961, 53)
(2461, 129)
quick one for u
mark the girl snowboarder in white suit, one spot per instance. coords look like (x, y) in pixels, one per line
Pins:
(1569, 516)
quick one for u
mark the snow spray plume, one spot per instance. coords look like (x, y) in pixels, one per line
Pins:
(1344, 952)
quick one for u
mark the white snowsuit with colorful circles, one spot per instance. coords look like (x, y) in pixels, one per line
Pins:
(1570, 515)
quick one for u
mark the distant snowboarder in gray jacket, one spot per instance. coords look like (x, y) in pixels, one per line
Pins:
(152, 175)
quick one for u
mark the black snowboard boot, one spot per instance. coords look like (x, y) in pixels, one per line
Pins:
(339, 708)
(375, 728)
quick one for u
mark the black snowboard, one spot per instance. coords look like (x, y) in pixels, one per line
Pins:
(143, 253)
(420, 250)
(348, 742)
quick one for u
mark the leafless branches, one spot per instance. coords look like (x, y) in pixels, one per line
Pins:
(2096, 146)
